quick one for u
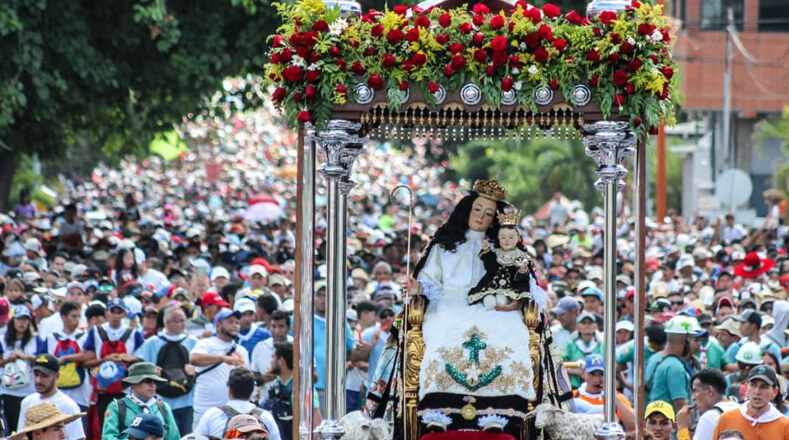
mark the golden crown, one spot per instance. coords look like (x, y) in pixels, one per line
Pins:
(509, 218)
(490, 189)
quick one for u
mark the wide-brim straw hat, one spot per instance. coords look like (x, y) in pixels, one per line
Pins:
(41, 416)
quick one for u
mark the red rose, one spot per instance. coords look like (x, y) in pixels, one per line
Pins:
(297, 97)
(445, 20)
(573, 17)
(666, 36)
(295, 40)
(320, 25)
(465, 27)
(334, 51)
(376, 31)
(478, 20)
(400, 9)
(664, 94)
(629, 89)
(407, 65)
(554, 84)
(522, 4)
(422, 21)
(653, 130)
(613, 58)
(477, 39)
(506, 84)
(480, 56)
(278, 95)
(653, 57)
(403, 85)
(560, 44)
(310, 39)
(498, 58)
(304, 116)
(394, 36)
(370, 51)
(309, 92)
(541, 55)
(499, 43)
(481, 8)
(607, 17)
(358, 68)
(285, 55)
(341, 64)
(615, 38)
(432, 87)
(620, 77)
(597, 32)
(550, 10)
(442, 39)
(645, 29)
(458, 62)
(619, 99)
(412, 35)
(448, 71)
(534, 15)
(277, 41)
(312, 75)
(593, 55)
(636, 122)
(496, 22)
(545, 32)
(668, 72)
(388, 60)
(314, 57)
(418, 59)
(511, 26)
(594, 80)
(585, 22)
(292, 73)
(490, 70)
(635, 4)
(375, 81)
(532, 40)
(456, 48)
(302, 51)
(627, 48)
(515, 63)
(342, 90)
(634, 65)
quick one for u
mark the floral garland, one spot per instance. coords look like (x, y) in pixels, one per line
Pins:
(318, 56)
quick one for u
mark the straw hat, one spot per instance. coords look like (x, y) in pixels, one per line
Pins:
(42, 416)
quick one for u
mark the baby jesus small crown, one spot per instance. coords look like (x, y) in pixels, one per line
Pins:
(490, 189)
(509, 217)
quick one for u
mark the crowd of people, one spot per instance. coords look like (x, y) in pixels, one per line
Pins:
(156, 298)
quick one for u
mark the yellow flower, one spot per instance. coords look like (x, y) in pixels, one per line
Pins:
(311, 7)
(392, 20)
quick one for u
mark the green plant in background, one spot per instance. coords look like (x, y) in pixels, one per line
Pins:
(776, 127)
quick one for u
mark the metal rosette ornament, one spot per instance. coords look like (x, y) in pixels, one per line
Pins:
(609, 143)
(582, 95)
(509, 97)
(364, 94)
(543, 95)
(440, 95)
(471, 94)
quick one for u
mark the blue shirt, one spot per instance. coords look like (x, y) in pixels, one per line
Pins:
(319, 347)
(368, 335)
(251, 337)
(149, 352)
(671, 381)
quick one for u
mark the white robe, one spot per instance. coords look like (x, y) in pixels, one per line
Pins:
(450, 321)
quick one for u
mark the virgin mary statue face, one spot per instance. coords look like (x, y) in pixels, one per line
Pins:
(482, 213)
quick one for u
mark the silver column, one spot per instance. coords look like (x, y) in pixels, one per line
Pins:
(609, 143)
(340, 145)
(306, 271)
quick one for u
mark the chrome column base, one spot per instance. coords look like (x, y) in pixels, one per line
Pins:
(610, 431)
(329, 430)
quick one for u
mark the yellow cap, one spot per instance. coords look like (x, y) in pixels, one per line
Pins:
(661, 407)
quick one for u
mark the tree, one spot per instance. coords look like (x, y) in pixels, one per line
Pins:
(776, 127)
(113, 74)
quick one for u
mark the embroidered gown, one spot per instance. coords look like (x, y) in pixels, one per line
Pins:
(472, 355)
(501, 276)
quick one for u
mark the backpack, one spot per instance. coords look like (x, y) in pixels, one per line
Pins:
(109, 347)
(279, 404)
(230, 413)
(172, 358)
(71, 375)
(121, 404)
(15, 375)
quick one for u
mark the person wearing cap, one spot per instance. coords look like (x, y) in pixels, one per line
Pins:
(44, 422)
(280, 286)
(262, 354)
(757, 418)
(711, 354)
(219, 278)
(708, 388)
(34, 255)
(70, 336)
(750, 328)
(46, 374)
(589, 397)
(202, 325)
(667, 376)
(20, 343)
(111, 332)
(141, 399)
(214, 358)
(243, 426)
(593, 300)
(149, 276)
(249, 334)
(583, 345)
(659, 420)
(566, 312)
(174, 323)
(258, 277)
(145, 427)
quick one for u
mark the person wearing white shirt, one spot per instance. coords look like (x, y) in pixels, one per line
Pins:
(708, 387)
(263, 352)
(240, 383)
(46, 372)
(214, 358)
(59, 341)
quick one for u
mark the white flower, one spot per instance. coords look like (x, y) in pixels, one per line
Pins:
(313, 66)
(631, 40)
(656, 36)
(517, 85)
(338, 26)
(297, 61)
(523, 46)
(532, 70)
(515, 71)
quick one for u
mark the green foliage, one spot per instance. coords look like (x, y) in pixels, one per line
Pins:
(531, 171)
(673, 176)
(776, 127)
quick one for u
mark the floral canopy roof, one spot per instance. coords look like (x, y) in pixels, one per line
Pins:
(320, 56)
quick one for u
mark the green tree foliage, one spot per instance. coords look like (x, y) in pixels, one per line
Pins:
(776, 127)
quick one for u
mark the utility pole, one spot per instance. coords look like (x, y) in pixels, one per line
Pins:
(727, 145)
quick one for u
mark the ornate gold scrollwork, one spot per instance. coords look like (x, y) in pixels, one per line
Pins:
(531, 317)
(415, 352)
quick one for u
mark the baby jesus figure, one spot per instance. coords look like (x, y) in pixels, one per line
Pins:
(507, 269)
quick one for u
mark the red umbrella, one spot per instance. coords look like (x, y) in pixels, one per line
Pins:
(262, 198)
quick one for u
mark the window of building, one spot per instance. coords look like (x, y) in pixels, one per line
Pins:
(713, 14)
(773, 16)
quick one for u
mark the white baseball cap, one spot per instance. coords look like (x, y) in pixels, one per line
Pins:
(244, 305)
(257, 269)
(219, 272)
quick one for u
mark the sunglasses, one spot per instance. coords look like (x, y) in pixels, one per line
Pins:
(678, 303)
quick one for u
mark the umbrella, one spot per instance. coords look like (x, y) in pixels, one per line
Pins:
(262, 198)
(263, 212)
(430, 199)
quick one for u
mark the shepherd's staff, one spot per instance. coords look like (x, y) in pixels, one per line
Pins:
(406, 299)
